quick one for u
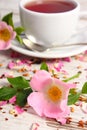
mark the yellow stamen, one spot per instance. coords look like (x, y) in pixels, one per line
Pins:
(54, 93)
(5, 35)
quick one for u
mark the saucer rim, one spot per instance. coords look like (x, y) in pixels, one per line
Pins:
(49, 54)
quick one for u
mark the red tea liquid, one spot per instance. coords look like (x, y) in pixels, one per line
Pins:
(54, 6)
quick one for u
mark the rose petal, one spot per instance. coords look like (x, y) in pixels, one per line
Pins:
(40, 80)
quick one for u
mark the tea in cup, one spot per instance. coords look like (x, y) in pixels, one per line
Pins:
(49, 22)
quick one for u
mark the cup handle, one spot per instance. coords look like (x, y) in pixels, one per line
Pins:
(83, 16)
(80, 30)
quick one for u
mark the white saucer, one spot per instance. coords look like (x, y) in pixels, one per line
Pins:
(58, 52)
(54, 53)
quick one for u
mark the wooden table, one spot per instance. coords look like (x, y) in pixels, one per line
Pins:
(24, 121)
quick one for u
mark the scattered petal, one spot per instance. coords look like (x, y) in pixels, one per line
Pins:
(12, 100)
(19, 109)
(59, 66)
(3, 103)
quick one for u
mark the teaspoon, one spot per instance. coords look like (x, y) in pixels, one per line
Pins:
(41, 48)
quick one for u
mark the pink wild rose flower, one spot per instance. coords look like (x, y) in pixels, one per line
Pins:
(49, 96)
(6, 35)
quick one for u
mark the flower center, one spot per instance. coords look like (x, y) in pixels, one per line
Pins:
(5, 35)
(54, 93)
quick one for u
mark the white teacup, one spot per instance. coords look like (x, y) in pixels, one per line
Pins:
(49, 28)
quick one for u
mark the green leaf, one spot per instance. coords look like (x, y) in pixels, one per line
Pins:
(19, 39)
(44, 66)
(72, 98)
(21, 97)
(19, 30)
(84, 88)
(19, 82)
(8, 19)
(6, 93)
(73, 77)
(72, 91)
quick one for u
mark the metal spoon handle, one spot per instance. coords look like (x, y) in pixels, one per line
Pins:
(41, 48)
(70, 44)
